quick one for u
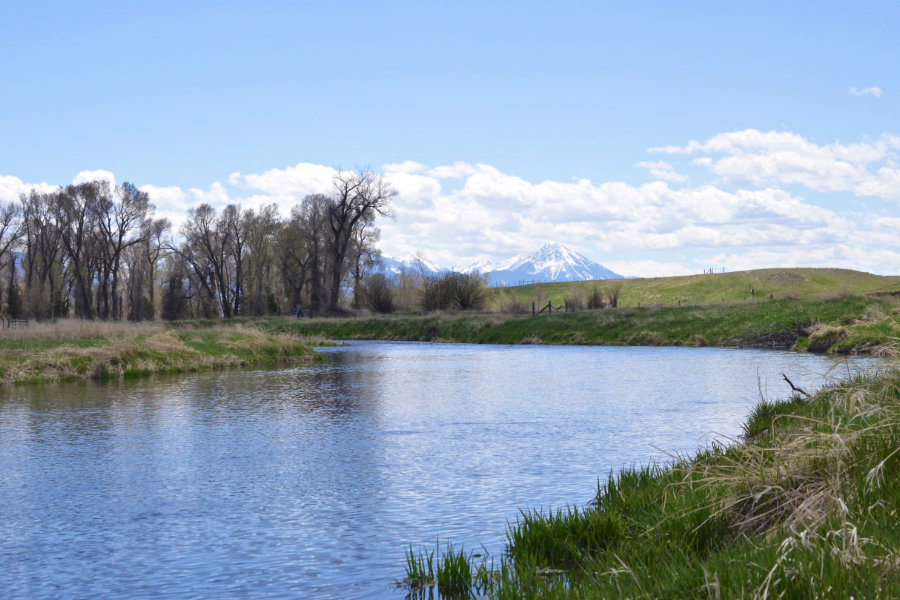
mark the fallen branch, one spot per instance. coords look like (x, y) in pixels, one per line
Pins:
(794, 387)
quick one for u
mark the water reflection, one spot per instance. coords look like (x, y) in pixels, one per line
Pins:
(310, 482)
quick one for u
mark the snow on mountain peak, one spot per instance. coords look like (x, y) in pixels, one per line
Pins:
(550, 262)
(415, 261)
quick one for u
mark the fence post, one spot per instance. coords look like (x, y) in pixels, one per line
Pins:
(532, 309)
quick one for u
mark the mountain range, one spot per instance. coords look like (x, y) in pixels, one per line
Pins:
(551, 262)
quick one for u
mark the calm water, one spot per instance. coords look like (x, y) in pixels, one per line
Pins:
(310, 482)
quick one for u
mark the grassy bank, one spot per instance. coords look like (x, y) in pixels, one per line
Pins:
(70, 350)
(805, 507)
(713, 288)
(848, 324)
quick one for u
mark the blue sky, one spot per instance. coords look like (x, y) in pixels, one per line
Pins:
(656, 138)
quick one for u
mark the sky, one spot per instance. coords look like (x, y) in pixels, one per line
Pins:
(657, 138)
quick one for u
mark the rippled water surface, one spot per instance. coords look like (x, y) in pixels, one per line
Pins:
(310, 482)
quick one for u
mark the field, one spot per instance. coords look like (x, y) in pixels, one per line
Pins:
(714, 288)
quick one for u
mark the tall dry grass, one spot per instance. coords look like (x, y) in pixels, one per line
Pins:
(78, 328)
(77, 350)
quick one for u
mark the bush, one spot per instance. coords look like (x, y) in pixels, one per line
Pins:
(453, 291)
(576, 299)
(378, 293)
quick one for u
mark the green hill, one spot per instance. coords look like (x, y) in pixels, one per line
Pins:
(714, 288)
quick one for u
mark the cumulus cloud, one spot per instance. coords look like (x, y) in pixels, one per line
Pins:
(456, 213)
(753, 158)
(744, 216)
(869, 91)
(12, 187)
(663, 171)
(98, 175)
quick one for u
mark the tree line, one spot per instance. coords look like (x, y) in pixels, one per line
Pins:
(97, 251)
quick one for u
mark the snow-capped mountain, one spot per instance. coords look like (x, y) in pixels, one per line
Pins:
(550, 262)
(482, 265)
(408, 264)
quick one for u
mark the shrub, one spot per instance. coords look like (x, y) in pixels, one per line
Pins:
(378, 293)
(453, 291)
(576, 299)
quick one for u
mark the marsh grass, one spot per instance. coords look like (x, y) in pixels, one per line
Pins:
(804, 506)
(80, 350)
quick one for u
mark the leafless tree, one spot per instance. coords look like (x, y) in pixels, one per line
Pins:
(356, 196)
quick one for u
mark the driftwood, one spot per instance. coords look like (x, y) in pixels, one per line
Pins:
(794, 387)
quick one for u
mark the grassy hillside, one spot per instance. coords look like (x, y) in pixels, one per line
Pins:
(805, 507)
(717, 288)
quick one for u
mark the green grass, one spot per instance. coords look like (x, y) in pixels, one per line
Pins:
(717, 288)
(806, 507)
(83, 350)
(870, 324)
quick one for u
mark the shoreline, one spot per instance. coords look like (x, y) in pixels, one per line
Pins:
(846, 325)
(73, 350)
(803, 505)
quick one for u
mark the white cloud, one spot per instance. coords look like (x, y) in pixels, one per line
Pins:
(297, 181)
(755, 158)
(663, 171)
(869, 91)
(98, 175)
(12, 187)
(743, 217)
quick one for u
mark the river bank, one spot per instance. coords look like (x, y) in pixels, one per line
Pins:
(805, 506)
(73, 350)
(78, 350)
(840, 325)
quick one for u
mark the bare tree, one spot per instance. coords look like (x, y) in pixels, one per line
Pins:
(356, 196)
(43, 261)
(76, 217)
(205, 249)
(293, 257)
(153, 236)
(261, 232)
(314, 224)
(119, 217)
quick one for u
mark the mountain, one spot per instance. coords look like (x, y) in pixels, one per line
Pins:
(550, 262)
(483, 265)
(409, 264)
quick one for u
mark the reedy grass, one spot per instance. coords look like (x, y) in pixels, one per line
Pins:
(805, 506)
